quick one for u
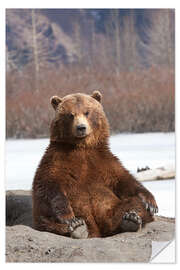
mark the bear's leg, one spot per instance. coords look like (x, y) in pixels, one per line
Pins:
(126, 215)
(75, 227)
(57, 216)
(92, 227)
(132, 215)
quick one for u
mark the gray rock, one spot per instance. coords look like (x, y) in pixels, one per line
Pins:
(18, 207)
(24, 244)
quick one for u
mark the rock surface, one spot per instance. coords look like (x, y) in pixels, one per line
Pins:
(24, 244)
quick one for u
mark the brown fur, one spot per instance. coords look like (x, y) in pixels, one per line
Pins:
(79, 176)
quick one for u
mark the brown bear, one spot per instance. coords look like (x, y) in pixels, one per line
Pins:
(80, 188)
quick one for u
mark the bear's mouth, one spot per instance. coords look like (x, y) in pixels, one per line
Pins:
(81, 135)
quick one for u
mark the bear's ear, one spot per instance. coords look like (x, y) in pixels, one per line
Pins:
(55, 100)
(97, 95)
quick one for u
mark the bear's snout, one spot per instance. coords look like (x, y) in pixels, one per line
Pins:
(81, 130)
(81, 127)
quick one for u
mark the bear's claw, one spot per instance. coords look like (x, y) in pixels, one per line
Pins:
(74, 223)
(153, 210)
(150, 203)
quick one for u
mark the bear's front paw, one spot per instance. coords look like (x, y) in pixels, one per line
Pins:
(149, 203)
(78, 228)
(131, 222)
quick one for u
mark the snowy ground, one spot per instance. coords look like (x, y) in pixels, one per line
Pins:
(148, 149)
(134, 150)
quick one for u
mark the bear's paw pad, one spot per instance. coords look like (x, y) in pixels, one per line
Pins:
(131, 222)
(78, 228)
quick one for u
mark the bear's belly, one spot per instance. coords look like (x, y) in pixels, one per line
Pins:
(96, 200)
(80, 201)
(103, 201)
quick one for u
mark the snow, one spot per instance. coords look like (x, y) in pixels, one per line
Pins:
(22, 159)
(134, 150)
(147, 149)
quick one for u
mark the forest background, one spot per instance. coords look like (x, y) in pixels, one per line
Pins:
(127, 54)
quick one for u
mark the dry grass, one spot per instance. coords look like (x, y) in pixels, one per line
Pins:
(141, 101)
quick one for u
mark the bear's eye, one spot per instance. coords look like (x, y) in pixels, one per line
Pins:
(86, 113)
(71, 115)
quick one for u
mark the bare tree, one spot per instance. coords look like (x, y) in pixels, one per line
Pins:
(82, 38)
(45, 49)
(130, 40)
(10, 60)
(115, 20)
(35, 50)
(77, 40)
(113, 39)
(162, 39)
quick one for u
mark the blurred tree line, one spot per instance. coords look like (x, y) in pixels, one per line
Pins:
(128, 54)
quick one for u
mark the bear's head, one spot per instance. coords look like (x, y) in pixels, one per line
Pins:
(79, 120)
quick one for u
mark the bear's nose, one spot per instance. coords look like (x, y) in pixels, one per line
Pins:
(81, 127)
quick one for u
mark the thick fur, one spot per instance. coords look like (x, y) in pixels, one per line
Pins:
(80, 179)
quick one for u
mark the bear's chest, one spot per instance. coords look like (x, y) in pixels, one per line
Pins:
(79, 167)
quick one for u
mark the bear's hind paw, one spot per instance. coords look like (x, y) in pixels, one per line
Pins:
(131, 222)
(78, 228)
